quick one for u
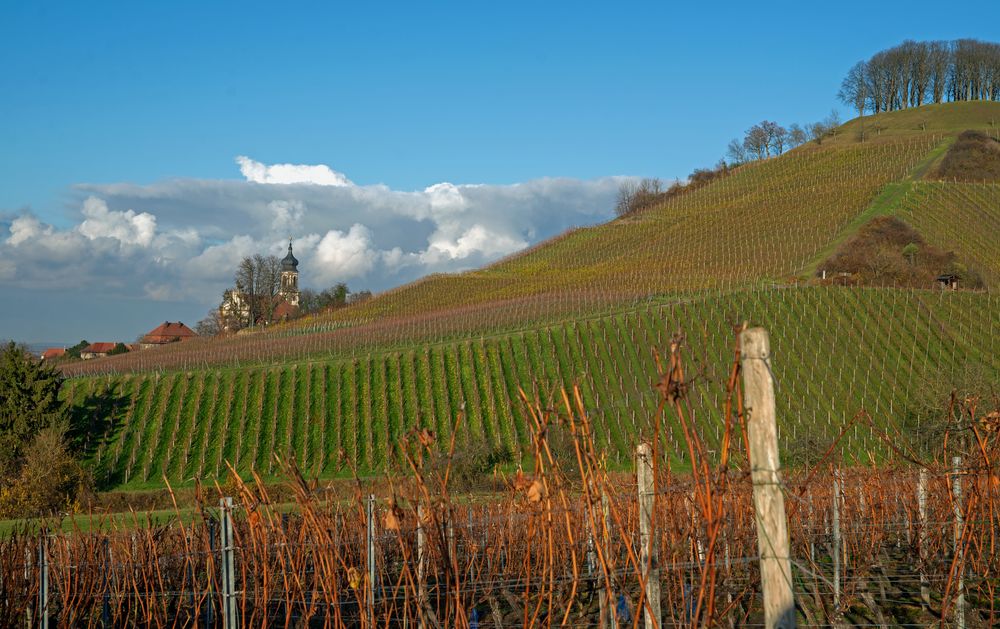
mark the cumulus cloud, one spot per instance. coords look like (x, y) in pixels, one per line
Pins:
(128, 227)
(180, 240)
(341, 256)
(287, 215)
(319, 174)
(25, 228)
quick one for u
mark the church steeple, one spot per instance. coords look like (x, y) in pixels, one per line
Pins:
(290, 277)
(289, 263)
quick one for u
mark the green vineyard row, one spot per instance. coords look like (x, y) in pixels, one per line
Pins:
(836, 351)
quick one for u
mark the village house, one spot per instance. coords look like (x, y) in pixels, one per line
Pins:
(167, 332)
(53, 352)
(96, 350)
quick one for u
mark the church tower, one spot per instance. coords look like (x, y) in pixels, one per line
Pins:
(290, 277)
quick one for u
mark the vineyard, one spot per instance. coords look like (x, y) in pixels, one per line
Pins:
(944, 211)
(842, 350)
(764, 222)
(336, 392)
(907, 543)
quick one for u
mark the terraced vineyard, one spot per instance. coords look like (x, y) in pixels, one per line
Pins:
(836, 350)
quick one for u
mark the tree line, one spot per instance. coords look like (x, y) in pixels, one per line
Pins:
(917, 73)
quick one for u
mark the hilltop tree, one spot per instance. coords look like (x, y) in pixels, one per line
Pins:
(637, 195)
(737, 153)
(854, 88)
(796, 135)
(913, 73)
(757, 142)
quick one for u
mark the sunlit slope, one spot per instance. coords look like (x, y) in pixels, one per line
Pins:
(948, 119)
(763, 221)
(836, 351)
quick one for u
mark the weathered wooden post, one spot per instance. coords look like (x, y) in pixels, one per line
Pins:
(421, 566)
(956, 488)
(769, 502)
(837, 492)
(925, 585)
(370, 543)
(606, 602)
(226, 546)
(648, 548)
(43, 582)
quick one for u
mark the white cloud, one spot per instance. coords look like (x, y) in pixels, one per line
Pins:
(181, 240)
(341, 256)
(319, 174)
(287, 215)
(126, 227)
(25, 228)
(476, 239)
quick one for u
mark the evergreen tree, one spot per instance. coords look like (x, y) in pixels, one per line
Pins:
(29, 400)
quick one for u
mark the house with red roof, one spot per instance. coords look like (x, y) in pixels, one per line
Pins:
(53, 352)
(96, 350)
(167, 332)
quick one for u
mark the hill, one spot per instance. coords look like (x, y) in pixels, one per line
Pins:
(588, 307)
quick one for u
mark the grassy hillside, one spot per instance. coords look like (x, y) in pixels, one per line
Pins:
(588, 307)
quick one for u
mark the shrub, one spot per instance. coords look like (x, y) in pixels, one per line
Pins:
(974, 157)
(887, 251)
(50, 479)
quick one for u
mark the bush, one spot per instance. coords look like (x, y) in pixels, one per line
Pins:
(975, 157)
(887, 252)
(50, 481)
(472, 467)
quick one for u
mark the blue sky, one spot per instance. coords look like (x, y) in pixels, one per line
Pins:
(111, 102)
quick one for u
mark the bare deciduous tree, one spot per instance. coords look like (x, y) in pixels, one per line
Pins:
(854, 90)
(637, 195)
(912, 73)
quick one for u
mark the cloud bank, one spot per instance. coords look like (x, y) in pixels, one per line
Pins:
(180, 240)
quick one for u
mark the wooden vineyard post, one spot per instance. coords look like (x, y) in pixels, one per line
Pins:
(421, 566)
(43, 583)
(647, 539)
(606, 602)
(956, 488)
(370, 544)
(769, 502)
(228, 564)
(836, 539)
(925, 586)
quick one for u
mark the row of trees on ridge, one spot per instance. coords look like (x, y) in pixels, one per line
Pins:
(916, 73)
